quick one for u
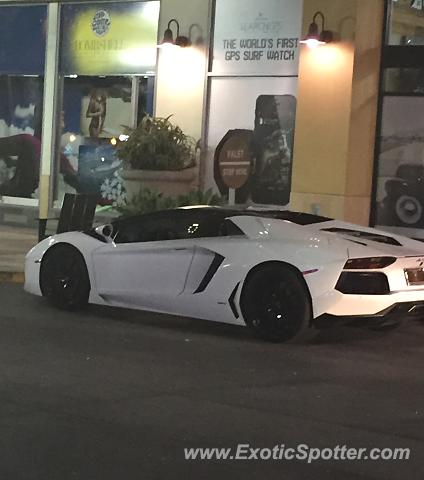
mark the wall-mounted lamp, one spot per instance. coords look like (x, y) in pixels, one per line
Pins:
(199, 41)
(314, 38)
(168, 37)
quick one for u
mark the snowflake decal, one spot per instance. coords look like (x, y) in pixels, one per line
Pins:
(113, 190)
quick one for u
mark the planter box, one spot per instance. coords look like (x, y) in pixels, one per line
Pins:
(168, 182)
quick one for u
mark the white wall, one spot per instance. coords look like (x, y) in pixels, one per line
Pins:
(180, 87)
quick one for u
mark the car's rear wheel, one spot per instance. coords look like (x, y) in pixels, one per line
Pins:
(276, 304)
(64, 279)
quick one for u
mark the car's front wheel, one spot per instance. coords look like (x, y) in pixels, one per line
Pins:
(276, 305)
(64, 279)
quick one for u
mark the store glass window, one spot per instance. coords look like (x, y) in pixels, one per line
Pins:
(404, 80)
(400, 192)
(22, 52)
(107, 74)
(398, 203)
(406, 22)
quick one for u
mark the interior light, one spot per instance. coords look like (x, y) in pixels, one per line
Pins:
(312, 42)
(167, 46)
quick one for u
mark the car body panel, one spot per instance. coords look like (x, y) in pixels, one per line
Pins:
(142, 274)
(204, 277)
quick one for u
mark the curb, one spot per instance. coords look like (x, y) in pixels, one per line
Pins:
(12, 277)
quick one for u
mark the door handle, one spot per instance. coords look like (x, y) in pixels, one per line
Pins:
(179, 249)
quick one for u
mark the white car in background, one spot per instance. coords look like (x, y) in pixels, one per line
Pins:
(278, 272)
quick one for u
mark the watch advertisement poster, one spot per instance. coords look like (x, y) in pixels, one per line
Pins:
(257, 38)
(252, 102)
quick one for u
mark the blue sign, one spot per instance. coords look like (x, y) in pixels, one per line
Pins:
(22, 40)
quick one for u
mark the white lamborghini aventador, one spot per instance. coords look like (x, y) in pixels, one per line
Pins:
(278, 272)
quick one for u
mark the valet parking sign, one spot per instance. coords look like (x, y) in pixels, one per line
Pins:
(257, 38)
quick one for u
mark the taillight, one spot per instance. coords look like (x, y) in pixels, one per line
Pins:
(371, 263)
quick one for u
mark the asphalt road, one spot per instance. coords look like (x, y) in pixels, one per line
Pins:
(112, 394)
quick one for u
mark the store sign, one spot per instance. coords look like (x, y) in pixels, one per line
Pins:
(109, 38)
(257, 38)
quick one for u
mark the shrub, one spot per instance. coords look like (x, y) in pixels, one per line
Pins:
(156, 144)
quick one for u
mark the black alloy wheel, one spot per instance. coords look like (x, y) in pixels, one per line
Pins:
(64, 278)
(276, 304)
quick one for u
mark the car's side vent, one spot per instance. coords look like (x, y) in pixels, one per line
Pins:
(216, 263)
(232, 303)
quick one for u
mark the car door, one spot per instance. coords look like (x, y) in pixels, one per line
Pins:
(147, 266)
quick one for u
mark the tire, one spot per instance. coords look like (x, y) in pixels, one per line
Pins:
(64, 278)
(276, 304)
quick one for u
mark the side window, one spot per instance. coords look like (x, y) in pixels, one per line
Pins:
(205, 224)
(230, 229)
(176, 225)
(149, 228)
(199, 223)
(126, 231)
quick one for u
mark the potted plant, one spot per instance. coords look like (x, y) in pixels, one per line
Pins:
(158, 155)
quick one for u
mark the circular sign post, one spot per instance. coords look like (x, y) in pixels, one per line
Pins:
(235, 159)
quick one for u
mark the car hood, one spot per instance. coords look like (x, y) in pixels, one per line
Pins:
(366, 241)
(357, 240)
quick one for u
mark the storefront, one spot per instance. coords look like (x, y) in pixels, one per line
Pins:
(398, 200)
(275, 122)
(73, 77)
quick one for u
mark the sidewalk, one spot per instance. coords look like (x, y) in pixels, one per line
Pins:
(14, 244)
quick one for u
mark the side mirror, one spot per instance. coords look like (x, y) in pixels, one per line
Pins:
(106, 232)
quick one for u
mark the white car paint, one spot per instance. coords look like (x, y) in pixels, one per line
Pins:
(163, 276)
